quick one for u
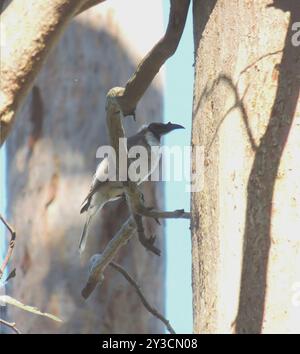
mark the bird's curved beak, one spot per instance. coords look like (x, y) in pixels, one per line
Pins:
(171, 126)
(164, 128)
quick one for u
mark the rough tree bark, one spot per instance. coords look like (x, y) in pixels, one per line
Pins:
(246, 240)
(51, 158)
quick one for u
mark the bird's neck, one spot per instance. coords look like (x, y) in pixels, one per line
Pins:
(152, 138)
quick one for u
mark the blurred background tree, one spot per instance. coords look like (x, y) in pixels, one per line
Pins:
(50, 163)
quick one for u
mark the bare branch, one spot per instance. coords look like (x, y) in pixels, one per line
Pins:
(87, 5)
(133, 195)
(14, 302)
(158, 214)
(10, 247)
(40, 24)
(97, 269)
(151, 309)
(10, 325)
(151, 64)
(137, 206)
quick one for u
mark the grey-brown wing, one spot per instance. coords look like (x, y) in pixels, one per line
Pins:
(98, 181)
(94, 188)
(102, 170)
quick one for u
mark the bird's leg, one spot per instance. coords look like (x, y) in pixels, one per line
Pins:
(148, 208)
(136, 202)
(148, 243)
(141, 196)
(156, 219)
(152, 239)
(133, 115)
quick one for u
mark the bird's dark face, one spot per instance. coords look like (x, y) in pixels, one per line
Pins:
(159, 129)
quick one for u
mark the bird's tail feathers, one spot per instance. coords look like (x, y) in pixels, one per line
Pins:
(84, 235)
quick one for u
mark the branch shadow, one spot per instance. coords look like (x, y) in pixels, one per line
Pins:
(238, 104)
(260, 189)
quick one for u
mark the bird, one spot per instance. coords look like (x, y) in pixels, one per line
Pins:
(103, 191)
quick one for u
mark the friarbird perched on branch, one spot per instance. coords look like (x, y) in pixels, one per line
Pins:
(104, 189)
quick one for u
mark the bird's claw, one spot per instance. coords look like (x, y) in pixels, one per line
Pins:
(148, 243)
(151, 239)
(133, 115)
(156, 219)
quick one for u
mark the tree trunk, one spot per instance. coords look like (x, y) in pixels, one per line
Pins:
(246, 219)
(51, 159)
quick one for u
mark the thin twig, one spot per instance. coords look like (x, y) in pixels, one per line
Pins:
(10, 247)
(10, 325)
(152, 310)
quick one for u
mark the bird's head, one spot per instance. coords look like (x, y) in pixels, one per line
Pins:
(160, 129)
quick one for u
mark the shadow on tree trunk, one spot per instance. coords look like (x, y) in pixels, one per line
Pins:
(257, 237)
